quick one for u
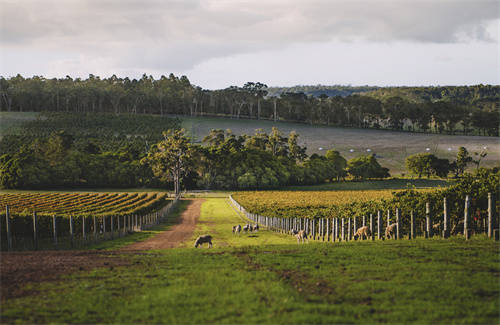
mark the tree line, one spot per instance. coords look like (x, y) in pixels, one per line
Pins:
(75, 158)
(463, 109)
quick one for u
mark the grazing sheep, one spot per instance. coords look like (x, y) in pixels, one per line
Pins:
(203, 239)
(301, 235)
(255, 227)
(294, 232)
(246, 228)
(237, 229)
(389, 231)
(362, 231)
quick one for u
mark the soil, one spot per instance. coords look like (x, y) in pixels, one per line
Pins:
(17, 269)
(176, 235)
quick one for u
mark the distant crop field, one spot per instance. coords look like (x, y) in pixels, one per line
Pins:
(65, 204)
(391, 147)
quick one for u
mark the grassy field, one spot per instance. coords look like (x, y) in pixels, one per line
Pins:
(10, 121)
(271, 279)
(392, 146)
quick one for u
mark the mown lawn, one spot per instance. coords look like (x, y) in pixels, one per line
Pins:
(271, 279)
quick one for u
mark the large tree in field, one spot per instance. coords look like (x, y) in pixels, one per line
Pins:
(172, 158)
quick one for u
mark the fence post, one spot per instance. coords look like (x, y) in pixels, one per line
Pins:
(379, 225)
(83, 229)
(349, 229)
(95, 228)
(118, 226)
(54, 230)
(354, 229)
(343, 230)
(428, 220)
(466, 217)
(372, 233)
(35, 238)
(328, 226)
(491, 216)
(364, 222)
(8, 228)
(71, 237)
(412, 225)
(446, 221)
(104, 227)
(112, 226)
(398, 212)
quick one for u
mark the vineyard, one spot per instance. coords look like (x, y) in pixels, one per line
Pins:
(309, 204)
(83, 204)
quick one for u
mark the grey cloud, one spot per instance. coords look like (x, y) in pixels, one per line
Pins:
(182, 33)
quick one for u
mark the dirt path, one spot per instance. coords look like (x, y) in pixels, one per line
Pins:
(177, 234)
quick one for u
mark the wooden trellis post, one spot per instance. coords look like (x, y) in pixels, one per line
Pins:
(466, 217)
(446, 221)
(348, 228)
(35, 237)
(364, 221)
(54, 230)
(372, 233)
(428, 220)
(398, 212)
(491, 215)
(379, 223)
(328, 229)
(355, 228)
(388, 218)
(412, 225)
(95, 228)
(118, 226)
(343, 229)
(8, 228)
(83, 229)
(71, 233)
(111, 226)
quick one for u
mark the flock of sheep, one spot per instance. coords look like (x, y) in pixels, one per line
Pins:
(301, 235)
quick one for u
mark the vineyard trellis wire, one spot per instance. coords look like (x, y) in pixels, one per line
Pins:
(73, 231)
(337, 229)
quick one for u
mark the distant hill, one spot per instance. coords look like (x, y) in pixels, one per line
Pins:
(318, 90)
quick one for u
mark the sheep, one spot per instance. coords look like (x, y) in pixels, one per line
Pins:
(362, 231)
(301, 235)
(246, 228)
(203, 239)
(255, 227)
(389, 231)
(294, 232)
(237, 229)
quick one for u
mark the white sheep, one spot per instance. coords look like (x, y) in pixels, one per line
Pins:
(362, 231)
(255, 227)
(301, 235)
(237, 229)
(389, 231)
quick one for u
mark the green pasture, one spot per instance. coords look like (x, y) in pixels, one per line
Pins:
(10, 121)
(266, 277)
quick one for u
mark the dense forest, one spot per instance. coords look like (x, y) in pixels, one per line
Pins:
(92, 150)
(462, 109)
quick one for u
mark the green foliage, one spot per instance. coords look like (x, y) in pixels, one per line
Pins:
(365, 167)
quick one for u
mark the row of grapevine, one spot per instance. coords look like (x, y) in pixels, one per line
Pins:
(37, 230)
(66, 204)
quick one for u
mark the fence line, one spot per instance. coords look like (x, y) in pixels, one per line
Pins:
(339, 229)
(57, 236)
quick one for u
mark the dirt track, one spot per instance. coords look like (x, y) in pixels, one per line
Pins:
(20, 268)
(176, 235)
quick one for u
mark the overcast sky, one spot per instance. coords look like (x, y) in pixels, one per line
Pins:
(218, 43)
